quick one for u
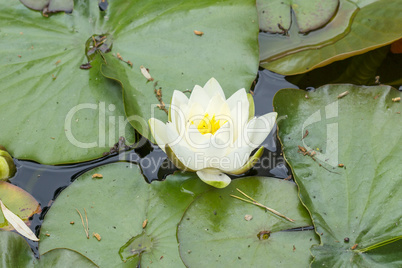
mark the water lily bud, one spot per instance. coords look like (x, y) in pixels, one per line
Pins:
(7, 166)
(211, 135)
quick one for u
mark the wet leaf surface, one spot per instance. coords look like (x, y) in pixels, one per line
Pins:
(52, 111)
(352, 183)
(117, 206)
(376, 24)
(15, 252)
(214, 231)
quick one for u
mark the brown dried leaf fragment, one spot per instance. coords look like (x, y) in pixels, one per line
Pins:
(305, 134)
(158, 95)
(288, 178)
(96, 175)
(144, 223)
(343, 94)
(199, 33)
(302, 149)
(248, 217)
(86, 66)
(97, 236)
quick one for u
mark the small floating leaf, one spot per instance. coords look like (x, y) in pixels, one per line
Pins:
(19, 202)
(275, 15)
(377, 23)
(17, 223)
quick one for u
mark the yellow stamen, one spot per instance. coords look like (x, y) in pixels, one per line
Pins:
(209, 125)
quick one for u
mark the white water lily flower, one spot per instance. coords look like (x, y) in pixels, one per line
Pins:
(211, 135)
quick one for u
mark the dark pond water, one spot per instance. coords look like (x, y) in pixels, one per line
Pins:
(45, 183)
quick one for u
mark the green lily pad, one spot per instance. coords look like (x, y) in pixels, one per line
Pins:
(40, 61)
(117, 207)
(16, 252)
(351, 184)
(19, 202)
(376, 24)
(52, 111)
(217, 231)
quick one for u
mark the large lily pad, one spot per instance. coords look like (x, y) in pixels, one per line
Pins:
(18, 201)
(41, 79)
(15, 252)
(351, 184)
(214, 231)
(377, 23)
(117, 206)
(51, 110)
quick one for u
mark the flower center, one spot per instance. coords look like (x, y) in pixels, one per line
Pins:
(209, 125)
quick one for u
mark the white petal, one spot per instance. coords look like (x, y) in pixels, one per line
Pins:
(258, 129)
(218, 106)
(17, 223)
(214, 178)
(239, 110)
(236, 158)
(178, 109)
(212, 88)
(197, 141)
(250, 162)
(195, 114)
(238, 96)
(182, 150)
(200, 96)
(223, 138)
(187, 157)
(159, 132)
(179, 98)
